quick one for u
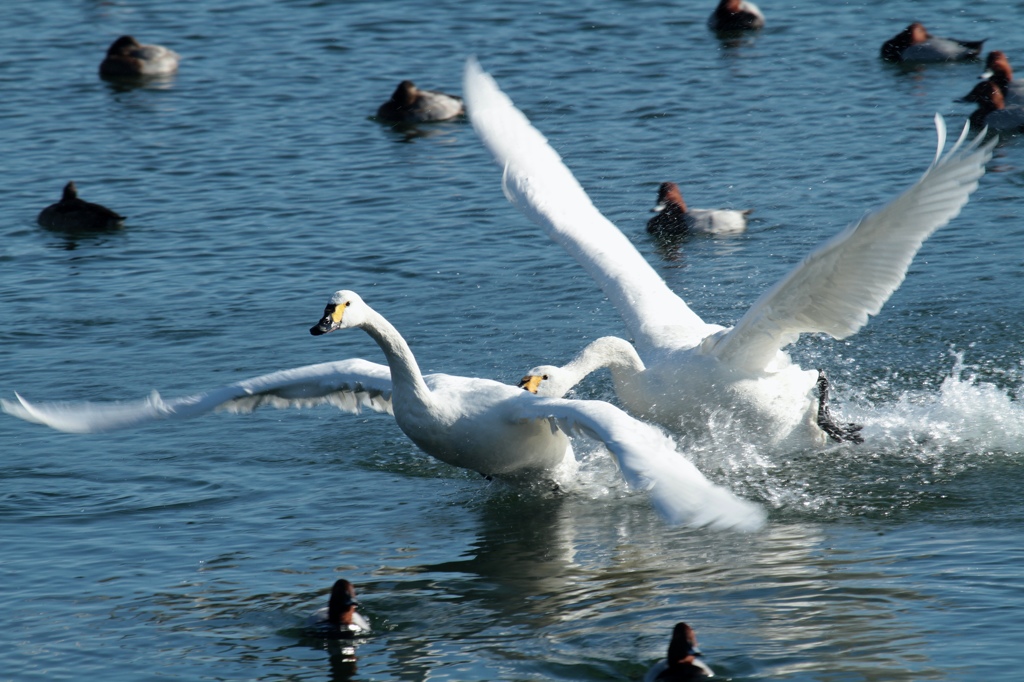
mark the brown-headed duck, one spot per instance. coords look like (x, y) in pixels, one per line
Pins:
(736, 15)
(409, 104)
(682, 663)
(72, 213)
(127, 58)
(999, 71)
(675, 219)
(915, 44)
(992, 110)
(339, 618)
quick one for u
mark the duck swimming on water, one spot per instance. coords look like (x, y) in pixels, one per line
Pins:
(736, 15)
(682, 663)
(339, 618)
(999, 71)
(992, 112)
(128, 58)
(72, 214)
(409, 104)
(675, 219)
(915, 44)
(687, 374)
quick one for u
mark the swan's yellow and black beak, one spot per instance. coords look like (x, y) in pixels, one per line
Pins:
(330, 321)
(531, 382)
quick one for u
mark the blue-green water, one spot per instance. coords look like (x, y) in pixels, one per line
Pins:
(255, 184)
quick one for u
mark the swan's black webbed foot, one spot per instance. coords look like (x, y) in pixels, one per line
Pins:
(840, 433)
(487, 476)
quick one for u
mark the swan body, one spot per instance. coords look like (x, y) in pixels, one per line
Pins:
(736, 15)
(127, 57)
(477, 424)
(773, 405)
(675, 219)
(915, 44)
(695, 370)
(409, 104)
(72, 213)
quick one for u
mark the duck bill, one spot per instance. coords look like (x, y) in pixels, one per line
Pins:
(659, 208)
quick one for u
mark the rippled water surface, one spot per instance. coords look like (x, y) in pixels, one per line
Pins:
(256, 183)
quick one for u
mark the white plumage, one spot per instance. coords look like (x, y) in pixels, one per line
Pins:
(478, 424)
(690, 370)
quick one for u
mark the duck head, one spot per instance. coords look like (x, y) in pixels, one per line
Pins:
(669, 195)
(123, 46)
(342, 602)
(70, 192)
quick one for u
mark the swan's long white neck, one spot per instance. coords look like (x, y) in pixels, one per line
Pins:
(618, 355)
(405, 372)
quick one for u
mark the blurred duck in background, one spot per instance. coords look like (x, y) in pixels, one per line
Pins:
(682, 663)
(72, 213)
(339, 618)
(915, 44)
(736, 15)
(674, 219)
(999, 71)
(409, 104)
(992, 111)
(128, 58)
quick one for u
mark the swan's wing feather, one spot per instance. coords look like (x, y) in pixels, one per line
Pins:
(538, 183)
(848, 278)
(347, 384)
(649, 461)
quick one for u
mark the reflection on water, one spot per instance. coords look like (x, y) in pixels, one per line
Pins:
(122, 84)
(410, 132)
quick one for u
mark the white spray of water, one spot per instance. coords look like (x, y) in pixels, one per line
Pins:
(918, 439)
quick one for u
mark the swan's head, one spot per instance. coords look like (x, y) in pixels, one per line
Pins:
(343, 311)
(549, 381)
(545, 382)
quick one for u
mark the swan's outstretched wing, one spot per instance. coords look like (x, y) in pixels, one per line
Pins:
(649, 461)
(540, 185)
(348, 384)
(848, 278)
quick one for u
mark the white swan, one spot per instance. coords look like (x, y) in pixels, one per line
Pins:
(477, 424)
(691, 371)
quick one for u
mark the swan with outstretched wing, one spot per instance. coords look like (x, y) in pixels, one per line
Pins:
(687, 372)
(477, 424)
